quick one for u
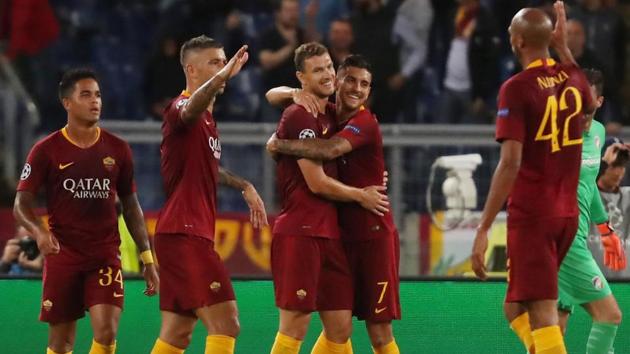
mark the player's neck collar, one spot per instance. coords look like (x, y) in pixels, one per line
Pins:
(64, 132)
(540, 62)
(185, 93)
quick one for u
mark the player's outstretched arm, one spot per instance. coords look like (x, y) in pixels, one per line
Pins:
(24, 213)
(314, 149)
(201, 98)
(257, 212)
(284, 96)
(134, 219)
(372, 198)
(500, 188)
(559, 36)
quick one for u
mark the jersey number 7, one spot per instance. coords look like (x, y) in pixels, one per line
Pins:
(551, 118)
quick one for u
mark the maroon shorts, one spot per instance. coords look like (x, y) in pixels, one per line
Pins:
(535, 250)
(68, 291)
(374, 265)
(310, 274)
(192, 274)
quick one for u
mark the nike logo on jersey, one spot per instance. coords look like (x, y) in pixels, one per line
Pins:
(64, 166)
(377, 310)
(118, 295)
(325, 131)
(207, 123)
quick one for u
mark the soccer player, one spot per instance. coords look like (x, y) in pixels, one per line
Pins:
(82, 169)
(540, 130)
(195, 283)
(370, 241)
(581, 281)
(310, 270)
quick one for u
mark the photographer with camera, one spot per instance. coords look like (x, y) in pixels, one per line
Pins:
(616, 200)
(21, 255)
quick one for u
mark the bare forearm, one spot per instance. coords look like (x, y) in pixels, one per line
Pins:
(565, 56)
(332, 189)
(202, 97)
(23, 212)
(229, 179)
(314, 149)
(280, 96)
(134, 219)
(500, 188)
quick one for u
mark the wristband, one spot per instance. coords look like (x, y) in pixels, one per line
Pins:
(605, 229)
(146, 257)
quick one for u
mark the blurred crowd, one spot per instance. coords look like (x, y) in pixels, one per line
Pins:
(434, 61)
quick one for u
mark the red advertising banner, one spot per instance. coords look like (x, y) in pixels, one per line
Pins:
(244, 250)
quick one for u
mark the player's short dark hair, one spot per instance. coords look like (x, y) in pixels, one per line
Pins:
(355, 61)
(71, 77)
(595, 78)
(196, 43)
(305, 51)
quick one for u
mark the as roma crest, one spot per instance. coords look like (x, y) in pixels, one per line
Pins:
(109, 163)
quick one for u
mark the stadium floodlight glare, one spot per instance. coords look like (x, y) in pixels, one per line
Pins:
(458, 189)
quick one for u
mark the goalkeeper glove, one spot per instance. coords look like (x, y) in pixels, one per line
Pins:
(614, 256)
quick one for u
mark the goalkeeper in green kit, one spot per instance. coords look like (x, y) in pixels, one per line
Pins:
(581, 282)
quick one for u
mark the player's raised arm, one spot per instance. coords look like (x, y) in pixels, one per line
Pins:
(315, 149)
(284, 96)
(371, 198)
(500, 188)
(134, 219)
(257, 212)
(206, 93)
(559, 36)
(24, 213)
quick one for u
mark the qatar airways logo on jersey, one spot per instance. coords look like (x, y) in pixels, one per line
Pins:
(88, 188)
(215, 146)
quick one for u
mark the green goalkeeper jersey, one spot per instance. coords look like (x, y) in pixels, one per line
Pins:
(589, 201)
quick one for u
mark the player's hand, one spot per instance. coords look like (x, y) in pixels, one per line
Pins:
(306, 100)
(257, 212)
(152, 279)
(478, 256)
(47, 244)
(614, 255)
(610, 155)
(272, 144)
(235, 64)
(375, 200)
(559, 36)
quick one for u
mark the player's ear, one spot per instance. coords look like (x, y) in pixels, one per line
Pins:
(65, 102)
(300, 76)
(600, 101)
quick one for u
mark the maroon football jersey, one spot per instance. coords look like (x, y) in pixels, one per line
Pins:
(304, 213)
(542, 107)
(190, 156)
(362, 167)
(81, 186)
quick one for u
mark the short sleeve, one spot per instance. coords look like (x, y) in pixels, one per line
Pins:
(297, 123)
(360, 130)
(35, 170)
(172, 114)
(511, 113)
(126, 184)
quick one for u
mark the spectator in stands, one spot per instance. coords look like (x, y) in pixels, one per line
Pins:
(372, 22)
(340, 40)
(163, 78)
(20, 255)
(605, 35)
(411, 35)
(616, 200)
(317, 16)
(472, 67)
(277, 45)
